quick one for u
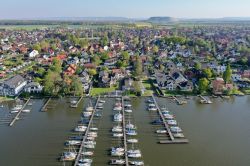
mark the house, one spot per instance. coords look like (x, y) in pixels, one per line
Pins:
(85, 79)
(33, 87)
(13, 86)
(128, 85)
(33, 54)
(220, 69)
(236, 77)
(105, 80)
(246, 74)
(218, 85)
(70, 70)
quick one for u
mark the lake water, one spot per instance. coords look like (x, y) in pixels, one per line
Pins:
(219, 133)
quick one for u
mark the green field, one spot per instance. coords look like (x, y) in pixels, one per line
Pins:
(100, 91)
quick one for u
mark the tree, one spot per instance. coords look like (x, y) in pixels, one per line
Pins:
(92, 72)
(197, 66)
(138, 67)
(104, 56)
(104, 40)
(155, 49)
(203, 85)
(40, 71)
(84, 43)
(125, 55)
(52, 83)
(208, 72)
(137, 87)
(227, 74)
(136, 41)
(37, 47)
(76, 86)
(96, 60)
(56, 66)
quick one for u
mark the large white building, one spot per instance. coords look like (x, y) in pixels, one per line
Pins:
(33, 54)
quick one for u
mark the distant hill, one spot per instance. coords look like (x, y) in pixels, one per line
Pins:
(162, 20)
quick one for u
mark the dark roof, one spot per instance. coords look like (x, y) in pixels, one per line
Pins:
(14, 81)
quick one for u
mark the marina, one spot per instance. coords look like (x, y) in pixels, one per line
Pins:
(54, 128)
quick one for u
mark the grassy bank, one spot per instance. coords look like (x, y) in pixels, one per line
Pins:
(100, 91)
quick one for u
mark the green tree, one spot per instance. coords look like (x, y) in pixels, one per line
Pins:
(155, 49)
(37, 47)
(56, 65)
(52, 83)
(125, 55)
(137, 87)
(203, 85)
(96, 60)
(92, 72)
(208, 72)
(104, 56)
(104, 40)
(76, 86)
(197, 66)
(138, 67)
(227, 74)
(84, 43)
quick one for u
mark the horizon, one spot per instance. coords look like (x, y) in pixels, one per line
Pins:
(140, 9)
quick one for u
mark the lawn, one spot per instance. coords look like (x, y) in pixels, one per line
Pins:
(100, 91)
(148, 87)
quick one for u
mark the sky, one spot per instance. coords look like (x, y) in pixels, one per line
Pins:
(27, 9)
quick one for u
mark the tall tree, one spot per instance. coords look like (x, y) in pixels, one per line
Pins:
(227, 74)
(138, 67)
(203, 85)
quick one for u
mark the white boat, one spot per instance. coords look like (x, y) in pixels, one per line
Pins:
(80, 128)
(69, 156)
(151, 105)
(87, 114)
(161, 131)
(131, 132)
(178, 135)
(84, 164)
(89, 109)
(117, 149)
(127, 105)
(130, 126)
(73, 102)
(132, 141)
(89, 138)
(88, 153)
(168, 116)
(26, 111)
(175, 129)
(172, 122)
(117, 162)
(14, 111)
(90, 142)
(137, 151)
(30, 104)
(134, 155)
(101, 101)
(165, 112)
(17, 108)
(137, 163)
(89, 146)
(85, 160)
(118, 117)
(94, 129)
(117, 153)
(128, 110)
(72, 142)
(117, 129)
(117, 108)
(152, 108)
(92, 134)
(117, 135)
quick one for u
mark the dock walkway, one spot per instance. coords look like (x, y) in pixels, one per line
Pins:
(124, 133)
(76, 105)
(86, 133)
(18, 114)
(45, 105)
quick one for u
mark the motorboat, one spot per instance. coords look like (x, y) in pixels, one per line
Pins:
(14, 111)
(100, 104)
(118, 135)
(118, 117)
(168, 116)
(72, 143)
(178, 135)
(118, 104)
(172, 122)
(87, 153)
(17, 108)
(152, 109)
(119, 108)
(87, 114)
(117, 129)
(117, 153)
(84, 164)
(157, 122)
(117, 162)
(102, 101)
(137, 163)
(73, 102)
(89, 138)
(150, 101)
(161, 131)
(69, 156)
(80, 128)
(151, 105)
(89, 146)
(134, 155)
(92, 134)
(128, 110)
(130, 126)
(98, 114)
(94, 129)
(175, 129)
(131, 132)
(127, 105)
(137, 151)
(30, 104)
(89, 109)
(85, 160)
(117, 149)
(26, 111)
(132, 141)
(90, 142)
(165, 112)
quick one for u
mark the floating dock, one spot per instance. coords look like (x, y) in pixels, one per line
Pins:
(86, 133)
(179, 102)
(204, 100)
(172, 140)
(124, 133)
(18, 114)
(76, 105)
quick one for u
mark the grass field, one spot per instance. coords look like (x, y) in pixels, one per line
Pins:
(148, 87)
(99, 91)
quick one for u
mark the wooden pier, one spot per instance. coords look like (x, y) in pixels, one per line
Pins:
(45, 105)
(76, 105)
(18, 114)
(85, 134)
(124, 133)
(167, 127)
(204, 100)
(179, 102)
